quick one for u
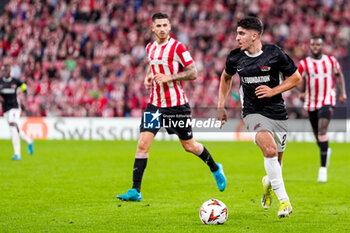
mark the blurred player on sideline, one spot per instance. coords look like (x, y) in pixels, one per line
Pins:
(260, 68)
(319, 94)
(170, 63)
(12, 111)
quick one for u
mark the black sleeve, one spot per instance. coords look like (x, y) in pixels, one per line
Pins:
(230, 67)
(286, 64)
(18, 82)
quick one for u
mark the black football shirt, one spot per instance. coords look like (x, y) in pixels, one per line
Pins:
(268, 67)
(8, 90)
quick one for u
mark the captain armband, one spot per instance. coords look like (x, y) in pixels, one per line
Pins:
(23, 87)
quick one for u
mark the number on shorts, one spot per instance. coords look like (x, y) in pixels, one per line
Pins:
(283, 144)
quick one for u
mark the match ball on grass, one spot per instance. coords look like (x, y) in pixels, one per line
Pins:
(213, 212)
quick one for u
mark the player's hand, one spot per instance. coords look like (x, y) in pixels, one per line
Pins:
(302, 96)
(162, 78)
(342, 99)
(148, 82)
(1, 99)
(263, 91)
(222, 116)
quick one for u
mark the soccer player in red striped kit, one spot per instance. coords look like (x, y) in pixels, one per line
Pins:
(170, 63)
(319, 93)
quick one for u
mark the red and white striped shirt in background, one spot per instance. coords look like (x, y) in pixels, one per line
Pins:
(168, 58)
(320, 81)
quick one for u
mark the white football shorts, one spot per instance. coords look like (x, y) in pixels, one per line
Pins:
(278, 128)
(13, 116)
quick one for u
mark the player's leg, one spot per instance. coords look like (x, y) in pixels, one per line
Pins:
(280, 136)
(266, 199)
(323, 140)
(268, 153)
(313, 118)
(324, 115)
(141, 158)
(280, 155)
(10, 116)
(325, 151)
(198, 149)
(254, 124)
(147, 135)
(140, 164)
(267, 144)
(22, 135)
(16, 143)
(28, 140)
(190, 145)
(184, 131)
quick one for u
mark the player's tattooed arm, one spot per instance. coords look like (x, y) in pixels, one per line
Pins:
(189, 73)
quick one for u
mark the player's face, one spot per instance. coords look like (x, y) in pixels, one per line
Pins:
(5, 71)
(245, 38)
(161, 28)
(316, 46)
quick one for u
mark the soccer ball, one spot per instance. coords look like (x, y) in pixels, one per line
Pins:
(213, 212)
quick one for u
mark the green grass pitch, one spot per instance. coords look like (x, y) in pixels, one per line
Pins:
(71, 186)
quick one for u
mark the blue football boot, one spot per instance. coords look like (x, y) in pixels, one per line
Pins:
(31, 148)
(130, 195)
(16, 157)
(220, 177)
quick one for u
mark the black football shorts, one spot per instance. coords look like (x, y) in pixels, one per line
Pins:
(324, 112)
(176, 120)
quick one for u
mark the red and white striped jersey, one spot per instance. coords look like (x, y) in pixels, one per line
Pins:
(168, 58)
(319, 80)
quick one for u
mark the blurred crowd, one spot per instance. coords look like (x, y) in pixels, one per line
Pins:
(87, 58)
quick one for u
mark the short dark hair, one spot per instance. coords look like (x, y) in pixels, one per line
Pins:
(317, 37)
(159, 15)
(251, 22)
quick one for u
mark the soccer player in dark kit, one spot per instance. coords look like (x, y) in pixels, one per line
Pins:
(265, 72)
(12, 111)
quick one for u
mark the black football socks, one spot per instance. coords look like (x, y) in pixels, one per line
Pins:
(139, 168)
(324, 150)
(206, 157)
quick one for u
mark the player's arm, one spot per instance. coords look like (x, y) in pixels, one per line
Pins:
(301, 89)
(189, 73)
(183, 56)
(224, 89)
(21, 85)
(339, 78)
(148, 78)
(264, 91)
(302, 86)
